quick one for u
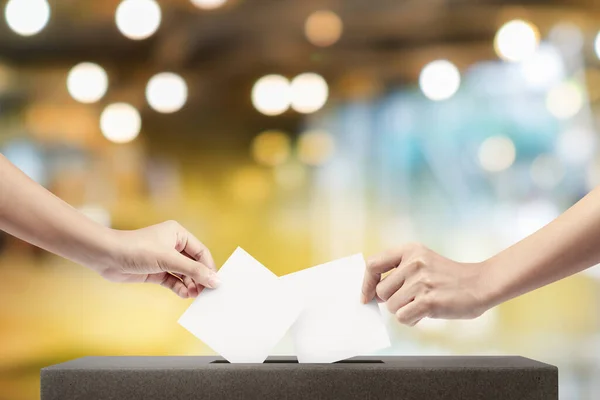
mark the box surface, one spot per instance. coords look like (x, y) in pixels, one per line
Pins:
(398, 378)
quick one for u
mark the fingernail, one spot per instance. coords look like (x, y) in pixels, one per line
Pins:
(214, 281)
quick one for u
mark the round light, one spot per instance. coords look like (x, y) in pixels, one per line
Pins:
(546, 171)
(323, 28)
(166, 92)
(315, 147)
(250, 184)
(576, 145)
(309, 93)
(516, 40)
(27, 17)
(271, 148)
(597, 45)
(568, 38)
(138, 19)
(87, 82)
(291, 175)
(120, 122)
(208, 4)
(439, 80)
(271, 95)
(497, 153)
(544, 69)
(565, 100)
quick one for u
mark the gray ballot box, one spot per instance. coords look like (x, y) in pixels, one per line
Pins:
(398, 378)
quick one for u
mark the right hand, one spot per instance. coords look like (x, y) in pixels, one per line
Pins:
(425, 284)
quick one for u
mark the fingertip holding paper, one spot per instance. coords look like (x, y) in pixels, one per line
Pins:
(335, 324)
(252, 310)
(247, 315)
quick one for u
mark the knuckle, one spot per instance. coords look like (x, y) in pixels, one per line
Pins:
(382, 293)
(372, 262)
(419, 263)
(403, 319)
(426, 280)
(172, 224)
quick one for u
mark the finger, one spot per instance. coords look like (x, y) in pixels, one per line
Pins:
(200, 273)
(376, 266)
(191, 286)
(197, 250)
(391, 283)
(412, 313)
(169, 281)
(401, 298)
(198, 286)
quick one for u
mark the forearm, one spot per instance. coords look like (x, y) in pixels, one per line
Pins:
(568, 245)
(30, 212)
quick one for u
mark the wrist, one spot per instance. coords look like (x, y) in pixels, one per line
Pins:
(489, 287)
(105, 252)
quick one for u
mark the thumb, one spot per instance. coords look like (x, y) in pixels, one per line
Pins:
(180, 264)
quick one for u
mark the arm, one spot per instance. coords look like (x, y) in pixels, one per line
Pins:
(425, 284)
(31, 213)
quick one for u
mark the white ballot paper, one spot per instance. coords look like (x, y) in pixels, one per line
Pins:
(334, 324)
(247, 315)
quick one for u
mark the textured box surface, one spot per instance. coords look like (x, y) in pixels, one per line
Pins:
(398, 378)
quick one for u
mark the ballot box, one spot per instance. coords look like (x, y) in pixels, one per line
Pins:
(398, 378)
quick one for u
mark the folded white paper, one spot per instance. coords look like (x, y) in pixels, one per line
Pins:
(334, 324)
(245, 318)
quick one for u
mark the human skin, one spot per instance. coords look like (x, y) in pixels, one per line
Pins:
(165, 254)
(422, 283)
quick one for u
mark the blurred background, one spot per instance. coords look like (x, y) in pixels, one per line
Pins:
(302, 131)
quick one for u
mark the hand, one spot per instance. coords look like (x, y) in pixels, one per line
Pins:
(165, 254)
(425, 284)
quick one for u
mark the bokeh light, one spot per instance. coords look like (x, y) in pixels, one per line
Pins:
(544, 69)
(309, 93)
(291, 175)
(315, 147)
(568, 38)
(209, 4)
(592, 176)
(166, 92)
(546, 171)
(271, 95)
(439, 80)
(532, 216)
(497, 153)
(120, 122)
(516, 40)
(576, 145)
(27, 17)
(271, 148)
(597, 45)
(138, 19)
(565, 100)
(251, 185)
(87, 82)
(323, 28)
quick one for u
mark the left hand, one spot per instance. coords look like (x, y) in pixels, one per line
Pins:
(424, 284)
